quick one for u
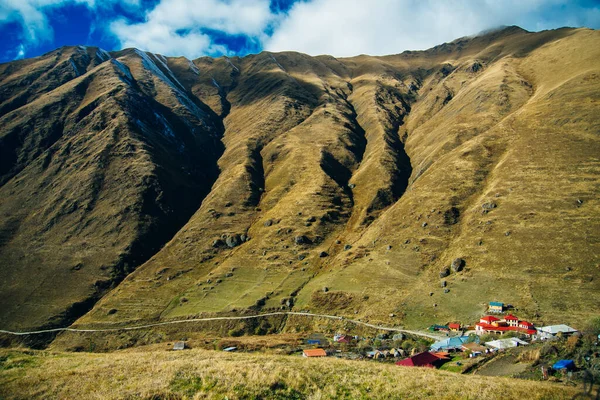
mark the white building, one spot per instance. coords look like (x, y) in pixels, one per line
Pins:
(506, 343)
(553, 330)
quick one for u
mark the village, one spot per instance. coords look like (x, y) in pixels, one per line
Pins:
(461, 348)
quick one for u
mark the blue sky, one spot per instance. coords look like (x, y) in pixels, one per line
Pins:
(194, 28)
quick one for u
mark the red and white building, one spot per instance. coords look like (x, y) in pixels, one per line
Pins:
(510, 323)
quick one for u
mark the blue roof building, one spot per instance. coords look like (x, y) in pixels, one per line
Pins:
(453, 343)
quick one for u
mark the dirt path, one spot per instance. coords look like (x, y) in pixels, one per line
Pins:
(379, 327)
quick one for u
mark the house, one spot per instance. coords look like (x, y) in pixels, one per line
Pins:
(450, 344)
(425, 359)
(442, 355)
(553, 330)
(179, 346)
(454, 327)
(314, 353)
(438, 328)
(495, 307)
(502, 344)
(491, 324)
(473, 347)
(342, 338)
(511, 320)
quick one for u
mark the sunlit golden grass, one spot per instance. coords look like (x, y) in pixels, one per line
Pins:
(208, 374)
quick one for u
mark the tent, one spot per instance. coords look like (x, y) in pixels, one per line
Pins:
(564, 364)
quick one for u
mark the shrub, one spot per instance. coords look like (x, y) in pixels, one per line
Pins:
(235, 332)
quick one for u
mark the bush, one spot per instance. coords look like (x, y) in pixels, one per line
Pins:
(235, 332)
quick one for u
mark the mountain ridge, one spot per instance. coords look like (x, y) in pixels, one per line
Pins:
(281, 174)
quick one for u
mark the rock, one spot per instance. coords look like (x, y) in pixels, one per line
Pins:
(311, 219)
(325, 289)
(579, 202)
(338, 242)
(347, 247)
(446, 290)
(487, 207)
(475, 67)
(457, 264)
(217, 243)
(424, 224)
(233, 241)
(218, 281)
(323, 254)
(228, 275)
(444, 272)
(407, 241)
(208, 281)
(388, 247)
(430, 293)
(301, 239)
(112, 311)
(243, 238)
(351, 185)
(443, 284)
(507, 233)
(301, 257)
(268, 222)
(392, 315)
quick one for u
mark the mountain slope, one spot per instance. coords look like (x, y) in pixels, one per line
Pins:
(367, 176)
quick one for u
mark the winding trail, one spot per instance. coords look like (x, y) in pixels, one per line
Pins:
(130, 328)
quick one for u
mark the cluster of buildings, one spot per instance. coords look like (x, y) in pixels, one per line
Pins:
(464, 341)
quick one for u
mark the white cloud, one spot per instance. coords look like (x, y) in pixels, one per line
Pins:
(351, 27)
(20, 52)
(337, 27)
(31, 14)
(175, 27)
(162, 39)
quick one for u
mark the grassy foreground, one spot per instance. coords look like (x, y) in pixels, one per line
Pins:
(194, 374)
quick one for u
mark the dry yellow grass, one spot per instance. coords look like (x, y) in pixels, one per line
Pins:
(201, 374)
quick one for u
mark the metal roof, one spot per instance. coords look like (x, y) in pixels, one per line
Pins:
(554, 329)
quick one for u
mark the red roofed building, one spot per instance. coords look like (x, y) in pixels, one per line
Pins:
(511, 320)
(314, 353)
(425, 359)
(488, 319)
(490, 324)
(454, 327)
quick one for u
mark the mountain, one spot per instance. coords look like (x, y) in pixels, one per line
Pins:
(142, 187)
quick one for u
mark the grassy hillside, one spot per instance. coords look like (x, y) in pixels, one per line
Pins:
(151, 373)
(341, 186)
